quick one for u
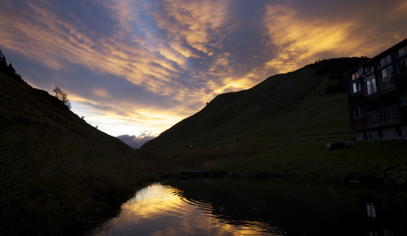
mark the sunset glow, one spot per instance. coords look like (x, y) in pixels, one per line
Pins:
(140, 66)
(160, 203)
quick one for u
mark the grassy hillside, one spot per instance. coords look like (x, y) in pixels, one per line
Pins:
(61, 176)
(58, 175)
(309, 101)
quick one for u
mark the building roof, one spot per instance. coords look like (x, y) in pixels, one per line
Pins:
(383, 53)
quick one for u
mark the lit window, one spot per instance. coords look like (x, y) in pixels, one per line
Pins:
(357, 74)
(356, 87)
(403, 51)
(385, 61)
(371, 87)
(387, 73)
(370, 207)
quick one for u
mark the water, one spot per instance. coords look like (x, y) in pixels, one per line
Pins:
(228, 207)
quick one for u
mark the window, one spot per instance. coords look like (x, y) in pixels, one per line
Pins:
(371, 87)
(403, 51)
(387, 73)
(368, 69)
(357, 74)
(357, 113)
(385, 61)
(403, 64)
(355, 87)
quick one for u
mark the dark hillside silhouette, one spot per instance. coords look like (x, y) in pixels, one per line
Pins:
(58, 175)
(308, 101)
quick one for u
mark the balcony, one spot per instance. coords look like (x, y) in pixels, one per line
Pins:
(373, 117)
(391, 113)
(388, 116)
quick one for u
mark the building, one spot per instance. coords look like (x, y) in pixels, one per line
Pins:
(377, 94)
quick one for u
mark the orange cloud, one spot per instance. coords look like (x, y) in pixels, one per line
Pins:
(300, 41)
(53, 42)
(101, 93)
(194, 22)
(181, 52)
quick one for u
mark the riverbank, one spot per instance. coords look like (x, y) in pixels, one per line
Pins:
(224, 206)
(371, 163)
(375, 164)
(72, 196)
(368, 163)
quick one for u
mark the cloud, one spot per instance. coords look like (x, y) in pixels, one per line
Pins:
(43, 36)
(194, 25)
(298, 40)
(101, 93)
(192, 29)
(122, 117)
(152, 63)
(135, 141)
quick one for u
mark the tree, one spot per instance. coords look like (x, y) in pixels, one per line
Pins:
(11, 71)
(8, 69)
(61, 95)
(2, 57)
(3, 62)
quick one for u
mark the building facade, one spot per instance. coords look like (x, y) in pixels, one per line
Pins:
(377, 95)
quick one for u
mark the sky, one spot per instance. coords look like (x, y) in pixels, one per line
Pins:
(137, 67)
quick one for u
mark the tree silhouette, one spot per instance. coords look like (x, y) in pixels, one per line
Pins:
(8, 68)
(2, 57)
(3, 62)
(61, 95)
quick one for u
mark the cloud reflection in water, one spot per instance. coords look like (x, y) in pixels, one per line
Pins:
(162, 210)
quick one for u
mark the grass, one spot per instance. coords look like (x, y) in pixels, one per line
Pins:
(59, 175)
(279, 128)
(66, 187)
(381, 162)
(292, 104)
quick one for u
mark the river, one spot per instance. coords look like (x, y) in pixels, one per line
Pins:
(278, 207)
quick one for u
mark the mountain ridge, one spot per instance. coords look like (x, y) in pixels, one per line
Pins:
(280, 99)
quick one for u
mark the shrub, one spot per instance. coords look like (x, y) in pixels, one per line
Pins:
(61, 95)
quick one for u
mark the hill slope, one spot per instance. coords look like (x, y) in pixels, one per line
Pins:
(58, 175)
(309, 101)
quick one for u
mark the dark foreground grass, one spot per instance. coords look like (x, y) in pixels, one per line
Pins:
(61, 176)
(66, 188)
(378, 162)
(74, 185)
(373, 163)
(58, 175)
